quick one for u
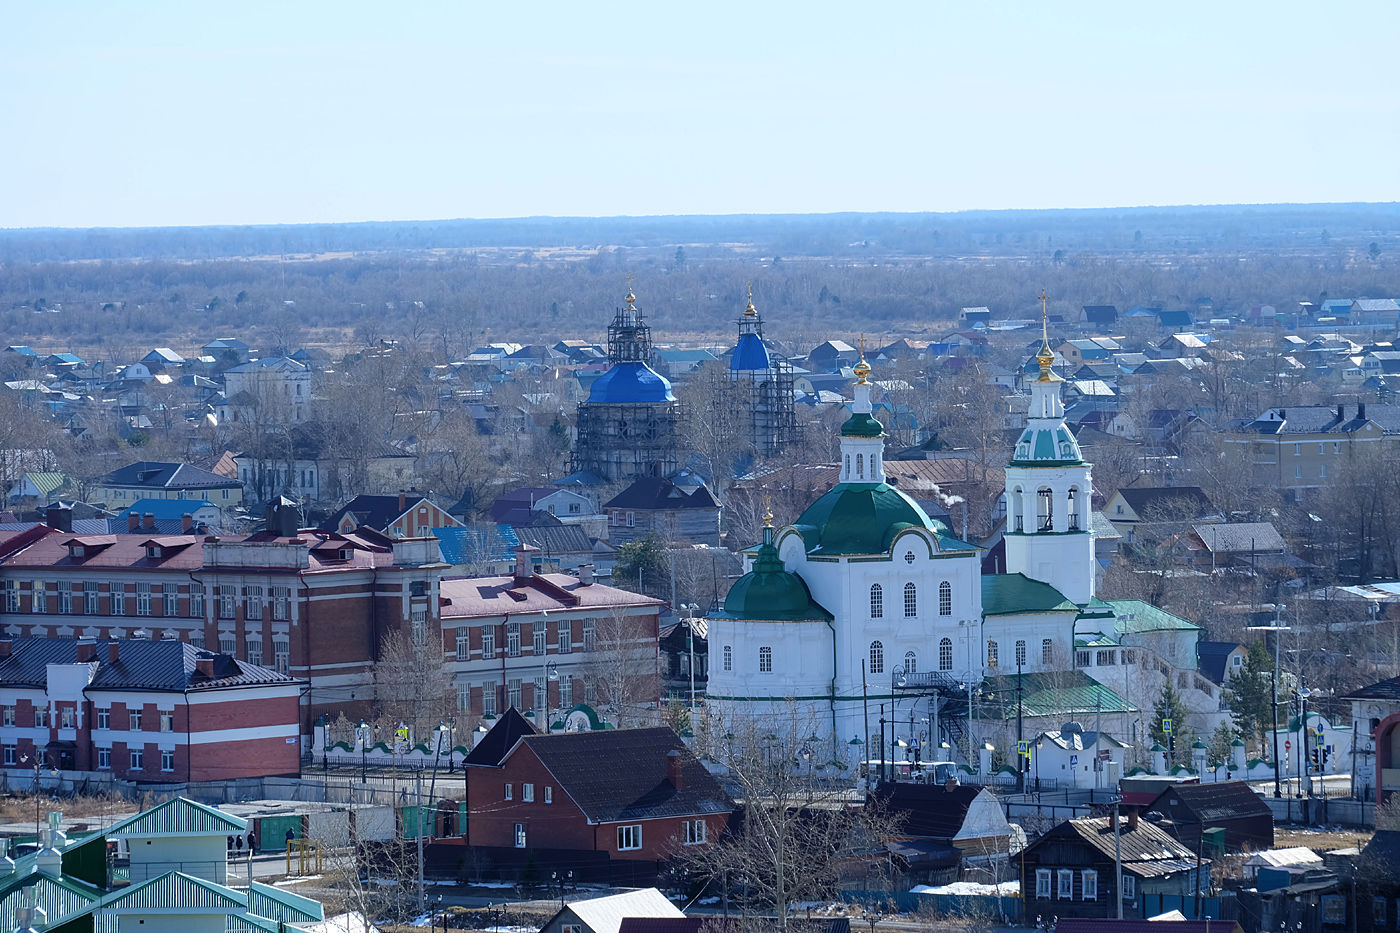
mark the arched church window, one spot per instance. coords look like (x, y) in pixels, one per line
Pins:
(848, 464)
(1047, 651)
(877, 601)
(728, 658)
(1045, 509)
(911, 600)
(991, 654)
(1020, 652)
(860, 465)
(765, 660)
(945, 598)
(877, 658)
(945, 654)
(911, 663)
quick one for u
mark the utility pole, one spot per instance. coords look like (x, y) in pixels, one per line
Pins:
(1118, 854)
(1278, 631)
(422, 904)
(1021, 759)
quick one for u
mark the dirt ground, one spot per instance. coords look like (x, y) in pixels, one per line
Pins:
(1320, 839)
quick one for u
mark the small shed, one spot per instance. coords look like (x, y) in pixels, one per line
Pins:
(1293, 856)
(1233, 806)
(605, 914)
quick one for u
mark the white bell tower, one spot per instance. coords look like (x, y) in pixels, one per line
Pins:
(862, 437)
(1049, 492)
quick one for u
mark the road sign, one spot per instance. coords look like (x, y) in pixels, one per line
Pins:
(1167, 726)
(1024, 748)
(1105, 755)
(1073, 760)
(1288, 745)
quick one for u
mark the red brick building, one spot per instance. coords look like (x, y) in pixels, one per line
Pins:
(149, 711)
(632, 793)
(315, 605)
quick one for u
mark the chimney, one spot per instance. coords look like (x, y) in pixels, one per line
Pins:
(1361, 410)
(59, 518)
(186, 523)
(111, 652)
(7, 647)
(1132, 819)
(585, 574)
(673, 769)
(1341, 412)
(403, 501)
(205, 666)
(87, 650)
(133, 521)
(1283, 414)
(524, 563)
(1113, 818)
(148, 521)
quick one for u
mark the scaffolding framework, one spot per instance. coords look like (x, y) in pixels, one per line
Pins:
(768, 413)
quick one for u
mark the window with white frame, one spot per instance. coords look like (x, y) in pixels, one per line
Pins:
(1065, 888)
(728, 658)
(488, 699)
(1089, 885)
(588, 635)
(1020, 652)
(765, 660)
(104, 717)
(877, 601)
(143, 599)
(138, 761)
(419, 626)
(548, 794)
(629, 837)
(513, 691)
(510, 791)
(911, 600)
(104, 759)
(1042, 883)
(227, 602)
(512, 639)
(527, 793)
(1129, 887)
(945, 598)
(1047, 651)
(170, 593)
(282, 603)
(253, 648)
(133, 720)
(911, 662)
(488, 641)
(90, 599)
(991, 654)
(11, 595)
(877, 658)
(41, 717)
(66, 717)
(694, 832)
(65, 598)
(281, 656)
(11, 754)
(167, 759)
(39, 597)
(565, 632)
(253, 603)
(566, 692)
(538, 635)
(228, 644)
(117, 594)
(464, 696)
(520, 835)
(464, 644)
(7, 715)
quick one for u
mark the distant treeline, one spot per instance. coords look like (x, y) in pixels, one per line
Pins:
(446, 304)
(850, 235)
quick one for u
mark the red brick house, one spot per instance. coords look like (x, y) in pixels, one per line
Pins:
(316, 605)
(149, 711)
(632, 793)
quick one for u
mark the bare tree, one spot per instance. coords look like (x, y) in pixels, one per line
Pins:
(412, 684)
(624, 664)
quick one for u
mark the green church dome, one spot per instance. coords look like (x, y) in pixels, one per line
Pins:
(861, 518)
(862, 424)
(769, 593)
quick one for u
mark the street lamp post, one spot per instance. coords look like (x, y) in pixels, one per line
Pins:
(1277, 629)
(364, 752)
(1304, 753)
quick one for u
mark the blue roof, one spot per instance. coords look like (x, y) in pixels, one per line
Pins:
(477, 544)
(630, 381)
(750, 355)
(167, 508)
(66, 358)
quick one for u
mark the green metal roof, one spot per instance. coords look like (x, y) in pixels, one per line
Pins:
(1051, 693)
(861, 518)
(179, 817)
(1098, 640)
(862, 424)
(1135, 616)
(1009, 594)
(47, 482)
(770, 593)
(1096, 609)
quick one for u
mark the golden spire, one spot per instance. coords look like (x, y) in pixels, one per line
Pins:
(631, 299)
(862, 369)
(1046, 356)
(767, 510)
(750, 311)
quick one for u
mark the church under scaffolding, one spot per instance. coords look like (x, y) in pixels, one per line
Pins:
(630, 424)
(767, 412)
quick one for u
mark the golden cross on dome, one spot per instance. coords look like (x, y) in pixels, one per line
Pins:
(750, 311)
(767, 510)
(631, 299)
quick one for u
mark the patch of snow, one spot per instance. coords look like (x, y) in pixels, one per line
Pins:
(708, 900)
(284, 883)
(971, 888)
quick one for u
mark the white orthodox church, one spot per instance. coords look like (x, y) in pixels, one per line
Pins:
(866, 603)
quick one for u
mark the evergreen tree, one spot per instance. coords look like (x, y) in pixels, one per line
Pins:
(1169, 706)
(1249, 695)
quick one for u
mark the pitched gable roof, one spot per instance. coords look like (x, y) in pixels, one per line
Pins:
(1148, 850)
(620, 774)
(497, 743)
(1214, 802)
(1191, 500)
(178, 817)
(656, 493)
(605, 914)
(159, 475)
(931, 811)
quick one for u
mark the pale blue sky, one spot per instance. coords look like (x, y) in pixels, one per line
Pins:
(194, 113)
